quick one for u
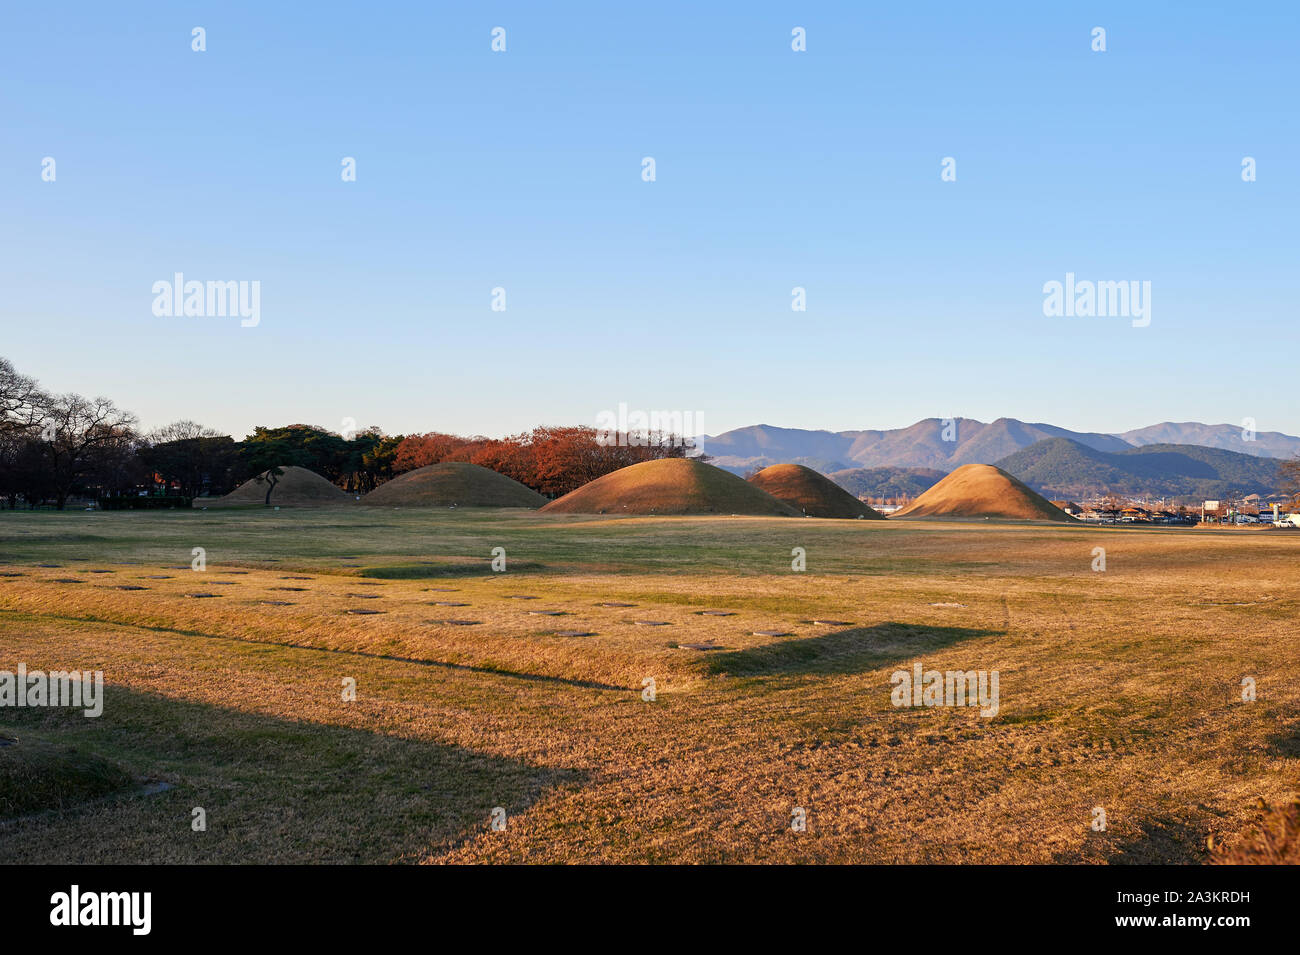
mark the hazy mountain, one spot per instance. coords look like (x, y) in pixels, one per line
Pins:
(1271, 444)
(1060, 467)
(927, 444)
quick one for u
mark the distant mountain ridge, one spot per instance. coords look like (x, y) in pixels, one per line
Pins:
(1063, 468)
(946, 444)
(1268, 444)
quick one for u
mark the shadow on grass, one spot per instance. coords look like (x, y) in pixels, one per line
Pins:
(1163, 840)
(274, 790)
(1286, 742)
(845, 651)
(433, 570)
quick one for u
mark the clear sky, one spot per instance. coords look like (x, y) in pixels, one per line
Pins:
(775, 169)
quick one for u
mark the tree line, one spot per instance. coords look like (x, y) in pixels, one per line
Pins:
(54, 448)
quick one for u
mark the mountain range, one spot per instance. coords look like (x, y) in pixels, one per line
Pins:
(1187, 460)
(946, 444)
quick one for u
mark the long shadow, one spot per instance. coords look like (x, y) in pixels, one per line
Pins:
(1163, 840)
(844, 651)
(432, 570)
(274, 790)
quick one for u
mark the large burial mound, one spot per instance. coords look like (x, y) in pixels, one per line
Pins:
(814, 494)
(296, 486)
(670, 486)
(981, 490)
(453, 482)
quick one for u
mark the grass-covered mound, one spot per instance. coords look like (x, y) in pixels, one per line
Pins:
(37, 776)
(295, 487)
(453, 483)
(670, 486)
(810, 492)
(981, 490)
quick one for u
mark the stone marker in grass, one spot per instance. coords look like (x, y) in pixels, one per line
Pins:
(288, 588)
(201, 596)
(546, 613)
(717, 613)
(365, 613)
(295, 577)
(450, 603)
(698, 646)
(363, 596)
(99, 571)
(575, 633)
(651, 623)
(519, 597)
(614, 603)
(772, 633)
(834, 623)
(458, 623)
(157, 577)
(68, 580)
(278, 603)
(130, 587)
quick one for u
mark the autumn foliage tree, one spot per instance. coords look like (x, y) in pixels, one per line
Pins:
(550, 460)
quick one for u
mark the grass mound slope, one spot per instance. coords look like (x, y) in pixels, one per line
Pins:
(811, 493)
(295, 487)
(36, 776)
(452, 482)
(981, 490)
(670, 486)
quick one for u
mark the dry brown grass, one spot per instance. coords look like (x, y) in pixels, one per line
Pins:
(1275, 839)
(1118, 689)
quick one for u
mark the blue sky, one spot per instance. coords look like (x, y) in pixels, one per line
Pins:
(775, 169)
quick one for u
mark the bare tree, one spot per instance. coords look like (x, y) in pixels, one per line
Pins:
(21, 400)
(78, 435)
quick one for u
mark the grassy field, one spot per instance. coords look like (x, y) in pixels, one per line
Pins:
(1118, 689)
